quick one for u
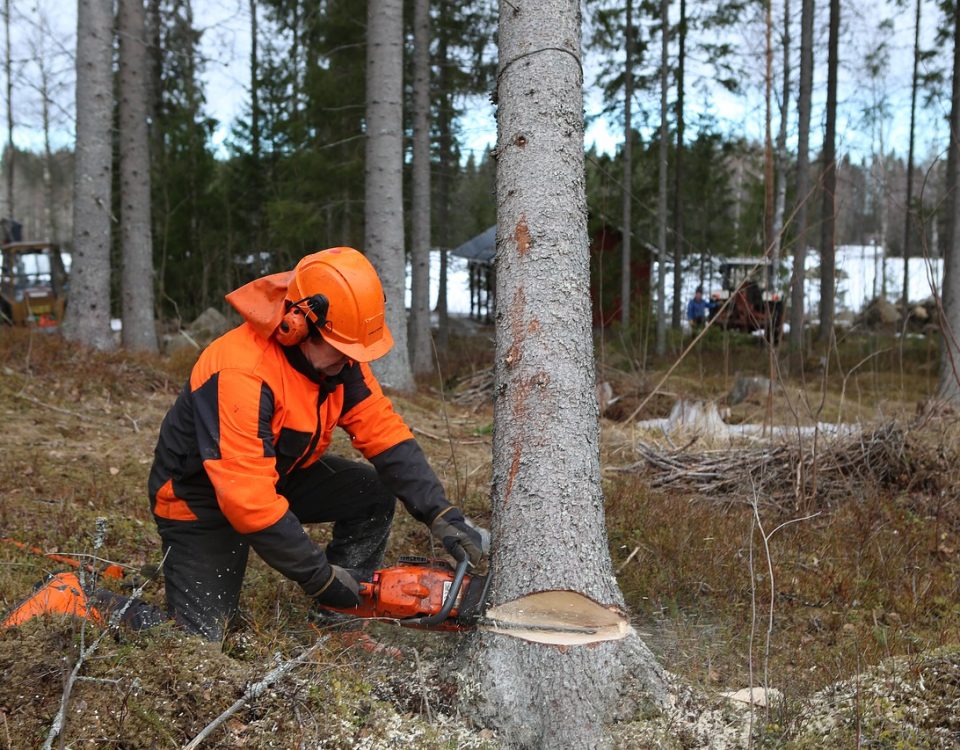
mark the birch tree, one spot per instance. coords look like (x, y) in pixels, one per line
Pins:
(87, 320)
(420, 350)
(384, 178)
(548, 516)
(139, 330)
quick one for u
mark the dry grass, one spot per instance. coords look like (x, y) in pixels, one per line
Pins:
(873, 576)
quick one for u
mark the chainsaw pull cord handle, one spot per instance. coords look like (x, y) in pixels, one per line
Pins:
(430, 620)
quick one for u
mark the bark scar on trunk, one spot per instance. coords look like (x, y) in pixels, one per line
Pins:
(522, 236)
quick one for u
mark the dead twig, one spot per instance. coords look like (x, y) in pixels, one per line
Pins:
(629, 558)
(59, 721)
(255, 691)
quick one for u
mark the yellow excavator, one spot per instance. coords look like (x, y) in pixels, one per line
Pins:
(32, 284)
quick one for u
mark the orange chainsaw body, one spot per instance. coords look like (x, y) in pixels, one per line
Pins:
(407, 590)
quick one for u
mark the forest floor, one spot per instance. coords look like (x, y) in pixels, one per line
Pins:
(825, 570)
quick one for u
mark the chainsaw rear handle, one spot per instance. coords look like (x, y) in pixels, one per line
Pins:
(452, 595)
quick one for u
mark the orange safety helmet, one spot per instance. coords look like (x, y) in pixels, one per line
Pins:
(339, 293)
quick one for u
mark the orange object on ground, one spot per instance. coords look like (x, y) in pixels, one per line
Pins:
(111, 571)
(61, 594)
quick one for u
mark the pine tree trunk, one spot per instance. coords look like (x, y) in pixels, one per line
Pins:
(676, 317)
(88, 311)
(11, 152)
(625, 250)
(661, 348)
(780, 201)
(828, 213)
(384, 179)
(803, 185)
(139, 330)
(420, 348)
(446, 167)
(908, 215)
(548, 516)
(950, 323)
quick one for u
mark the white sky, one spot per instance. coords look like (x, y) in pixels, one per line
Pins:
(225, 48)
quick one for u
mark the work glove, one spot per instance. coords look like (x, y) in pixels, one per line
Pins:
(341, 591)
(453, 531)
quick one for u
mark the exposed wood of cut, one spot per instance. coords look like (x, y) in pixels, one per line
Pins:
(563, 618)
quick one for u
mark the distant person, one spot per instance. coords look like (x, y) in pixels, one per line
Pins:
(697, 309)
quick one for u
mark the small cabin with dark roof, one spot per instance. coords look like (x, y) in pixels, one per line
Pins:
(605, 263)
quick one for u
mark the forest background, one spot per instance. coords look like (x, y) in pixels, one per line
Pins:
(255, 190)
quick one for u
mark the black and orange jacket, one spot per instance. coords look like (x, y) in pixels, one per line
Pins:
(252, 413)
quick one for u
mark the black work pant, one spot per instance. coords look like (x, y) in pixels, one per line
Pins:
(205, 561)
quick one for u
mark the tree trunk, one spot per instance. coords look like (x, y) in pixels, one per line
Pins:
(11, 153)
(625, 250)
(662, 183)
(420, 349)
(829, 218)
(384, 179)
(676, 318)
(446, 167)
(950, 321)
(780, 202)
(803, 185)
(908, 215)
(768, 209)
(139, 330)
(548, 517)
(88, 314)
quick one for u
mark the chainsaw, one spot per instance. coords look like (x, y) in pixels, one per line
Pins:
(419, 592)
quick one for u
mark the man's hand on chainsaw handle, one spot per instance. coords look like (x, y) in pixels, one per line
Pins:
(341, 591)
(452, 529)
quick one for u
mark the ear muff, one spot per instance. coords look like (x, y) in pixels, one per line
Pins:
(303, 318)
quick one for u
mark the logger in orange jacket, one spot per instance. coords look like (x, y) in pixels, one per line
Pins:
(241, 458)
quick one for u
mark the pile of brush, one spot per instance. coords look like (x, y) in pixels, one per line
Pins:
(801, 474)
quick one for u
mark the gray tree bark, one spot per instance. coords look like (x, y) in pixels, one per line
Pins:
(780, 200)
(828, 212)
(625, 250)
(676, 310)
(908, 216)
(803, 185)
(548, 517)
(87, 320)
(11, 153)
(662, 183)
(420, 348)
(383, 241)
(139, 329)
(950, 320)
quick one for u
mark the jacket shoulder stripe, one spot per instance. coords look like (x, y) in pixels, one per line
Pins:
(206, 407)
(264, 419)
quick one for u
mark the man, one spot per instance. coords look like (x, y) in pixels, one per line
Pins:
(697, 309)
(241, 458)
